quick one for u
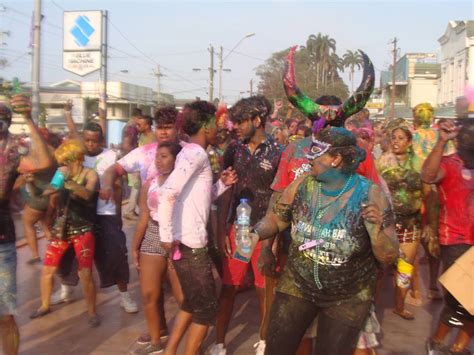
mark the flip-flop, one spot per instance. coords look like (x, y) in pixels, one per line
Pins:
(39, 313)
(404, 314)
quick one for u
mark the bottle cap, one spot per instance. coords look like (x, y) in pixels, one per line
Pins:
(244, 200)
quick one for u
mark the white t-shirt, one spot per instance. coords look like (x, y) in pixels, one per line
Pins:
(184, 200)
(100, 163)
(142, 160)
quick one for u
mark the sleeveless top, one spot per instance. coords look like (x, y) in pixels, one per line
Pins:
(80, 215)
(405, 185)
(152, 198)
(346, 266)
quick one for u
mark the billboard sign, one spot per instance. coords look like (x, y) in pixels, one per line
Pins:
(82, 41)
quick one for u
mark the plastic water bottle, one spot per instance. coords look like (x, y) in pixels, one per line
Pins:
(243, 240)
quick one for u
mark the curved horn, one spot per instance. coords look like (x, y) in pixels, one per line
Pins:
(297, 98)
(357, 101)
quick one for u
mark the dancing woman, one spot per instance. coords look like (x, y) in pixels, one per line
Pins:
(341, 226)
(150, 257)
(400, 168)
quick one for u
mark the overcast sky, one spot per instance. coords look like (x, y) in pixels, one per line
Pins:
(176, 35)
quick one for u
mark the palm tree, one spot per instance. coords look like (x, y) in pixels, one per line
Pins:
(335, 63)
(320, 47)
(352, 60)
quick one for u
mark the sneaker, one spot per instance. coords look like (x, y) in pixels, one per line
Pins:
(94, 321)
(218, 349)
(61, 296)
(145, 339)
(259, 347)
(127, 303)
(149, 349)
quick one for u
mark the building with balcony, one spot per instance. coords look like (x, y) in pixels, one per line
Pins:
(457, 64)
(416, 81)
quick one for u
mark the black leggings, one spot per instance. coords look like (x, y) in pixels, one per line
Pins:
(291, 316)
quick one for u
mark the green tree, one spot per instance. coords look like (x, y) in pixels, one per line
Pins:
(352, 60)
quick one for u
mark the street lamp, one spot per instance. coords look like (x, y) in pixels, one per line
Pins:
(222, 59)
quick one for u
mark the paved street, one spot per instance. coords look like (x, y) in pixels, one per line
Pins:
(65, 330)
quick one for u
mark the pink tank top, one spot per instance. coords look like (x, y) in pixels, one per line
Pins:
(152, 198)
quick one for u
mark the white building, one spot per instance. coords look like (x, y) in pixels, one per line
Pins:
(457, 63)
(416, 81)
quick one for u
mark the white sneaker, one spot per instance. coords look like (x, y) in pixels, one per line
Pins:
(259, 347)
(63, 295)
(218, 349)
(127, 303)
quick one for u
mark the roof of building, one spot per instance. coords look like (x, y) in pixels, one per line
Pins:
(458, 27)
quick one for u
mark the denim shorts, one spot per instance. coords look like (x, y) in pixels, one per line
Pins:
(7, 279)
(194, 271)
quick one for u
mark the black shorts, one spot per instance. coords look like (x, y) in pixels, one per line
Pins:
(194, 271)
(110, 255)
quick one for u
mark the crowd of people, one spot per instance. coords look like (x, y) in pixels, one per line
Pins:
(338, 201)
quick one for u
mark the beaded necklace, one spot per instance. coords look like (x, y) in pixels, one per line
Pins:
(318, 214)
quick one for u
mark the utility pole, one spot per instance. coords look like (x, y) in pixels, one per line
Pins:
(211, 75)
(103, 70)
(158, 84)
(394, 78)
(221, 52)
(251, 87)
(35, 73)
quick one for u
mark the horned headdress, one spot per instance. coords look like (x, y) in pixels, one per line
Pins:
(321, 114)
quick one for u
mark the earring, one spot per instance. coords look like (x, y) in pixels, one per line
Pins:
(333, 164)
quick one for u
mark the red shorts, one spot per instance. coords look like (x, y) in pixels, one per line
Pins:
(235, 270)
(84, 245)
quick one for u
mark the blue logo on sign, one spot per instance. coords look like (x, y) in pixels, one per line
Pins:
(82, 31)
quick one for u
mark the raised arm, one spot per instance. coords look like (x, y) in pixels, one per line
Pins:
(73, 132)
(39, 157)
(103, 123)
(431, 172)
(380, 223)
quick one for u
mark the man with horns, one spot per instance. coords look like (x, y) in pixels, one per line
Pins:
(325, 110)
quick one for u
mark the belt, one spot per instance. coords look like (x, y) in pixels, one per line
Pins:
(78, 230)
(194, 251)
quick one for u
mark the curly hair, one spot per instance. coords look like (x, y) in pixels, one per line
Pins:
(196, 115)
(249, 108)
(93, 127)
(166, 115)
(69, 151)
